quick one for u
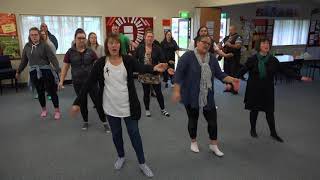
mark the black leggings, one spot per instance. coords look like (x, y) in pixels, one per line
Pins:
(146, 95)
(270, 120)
(45, 83)
(210, 116)
(84, 106)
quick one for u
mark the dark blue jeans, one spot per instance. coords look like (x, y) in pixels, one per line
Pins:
(133, 131)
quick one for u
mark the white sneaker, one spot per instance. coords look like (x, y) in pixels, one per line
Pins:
(146, 170)
(119, 163)
(216, 150)
(194, 147)
(148, 113)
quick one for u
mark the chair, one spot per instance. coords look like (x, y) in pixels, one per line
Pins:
(7, 72)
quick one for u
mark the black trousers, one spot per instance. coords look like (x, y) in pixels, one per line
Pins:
(210, 116)
(45, 83)
(270, 120)
(94, 95)
(146, 95)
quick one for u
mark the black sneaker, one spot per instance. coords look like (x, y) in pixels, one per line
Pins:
(277, 138)
(165, 113)
(85, 126)
(253, 134)
(106, 128)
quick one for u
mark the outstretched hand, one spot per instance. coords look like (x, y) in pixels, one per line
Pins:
(176, 97)
(306, 79)
(171, 71)
(161, 67)
(236, 84)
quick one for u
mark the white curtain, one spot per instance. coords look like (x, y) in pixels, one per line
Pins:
(290, 32)
(63, 28)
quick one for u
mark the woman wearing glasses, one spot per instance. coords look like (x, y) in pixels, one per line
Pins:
(81, 60)
(194, 80)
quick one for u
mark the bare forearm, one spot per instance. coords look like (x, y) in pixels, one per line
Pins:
(64, 71)
(228, 79)
(176, 88)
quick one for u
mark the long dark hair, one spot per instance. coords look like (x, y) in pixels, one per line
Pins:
(198, 34)
(165, 36)
(89, 43)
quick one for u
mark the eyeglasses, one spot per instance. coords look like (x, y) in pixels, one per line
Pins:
(81, 38)
(207, 43)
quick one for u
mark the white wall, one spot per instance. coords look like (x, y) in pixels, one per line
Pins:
(159, 9)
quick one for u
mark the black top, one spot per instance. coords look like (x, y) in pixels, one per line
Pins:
(169, 49)
(157, 55)
(81, 63)
(97, 76)
(259, 93)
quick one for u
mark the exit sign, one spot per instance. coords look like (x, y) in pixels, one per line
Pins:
(184, 14)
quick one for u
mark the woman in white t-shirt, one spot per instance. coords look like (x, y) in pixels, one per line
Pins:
(118, 97)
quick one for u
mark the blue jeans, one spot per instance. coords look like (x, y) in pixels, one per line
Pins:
(133, 131)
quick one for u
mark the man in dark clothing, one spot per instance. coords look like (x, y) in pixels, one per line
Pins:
(231, 44)
(52, 38)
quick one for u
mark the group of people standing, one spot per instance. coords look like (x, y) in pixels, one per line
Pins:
(106, 73)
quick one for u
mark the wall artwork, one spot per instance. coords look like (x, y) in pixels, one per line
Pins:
(132, 27)
(9, 42)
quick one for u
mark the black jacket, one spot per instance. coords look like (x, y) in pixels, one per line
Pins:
(157, 55)
(97, 76)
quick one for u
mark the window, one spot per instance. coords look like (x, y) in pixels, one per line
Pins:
(62, 27)
(290, 32)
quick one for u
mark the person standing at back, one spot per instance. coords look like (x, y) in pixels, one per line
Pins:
(124, 40)
(94, 45)
(53, 39)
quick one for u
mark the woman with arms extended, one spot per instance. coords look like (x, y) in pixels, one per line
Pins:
(118, 97)
(259, 95)
(194, 80)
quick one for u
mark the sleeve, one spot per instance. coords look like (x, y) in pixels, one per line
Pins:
(102, 51)
(94, 56)
(24, 60)
(217, 70)
(54, 40)
(138, 53)
(162, 58)
(246, 67)
(52, 58)
(182, 68)
(66, 58)
(176, 47)
(90, 83)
